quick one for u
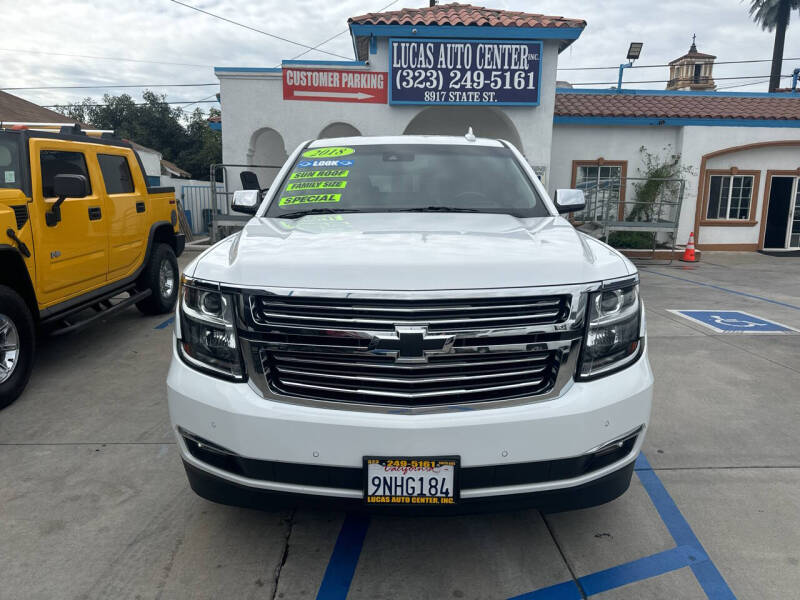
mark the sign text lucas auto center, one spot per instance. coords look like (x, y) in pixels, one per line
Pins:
(431, 71)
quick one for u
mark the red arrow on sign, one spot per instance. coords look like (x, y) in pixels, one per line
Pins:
(333, 85)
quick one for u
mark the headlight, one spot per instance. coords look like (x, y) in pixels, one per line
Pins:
(614, 334)
(207, 331)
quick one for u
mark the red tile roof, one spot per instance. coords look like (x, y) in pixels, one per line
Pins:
(677, 106)
(464, 14)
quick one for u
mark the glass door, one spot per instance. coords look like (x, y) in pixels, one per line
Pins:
(793, 230)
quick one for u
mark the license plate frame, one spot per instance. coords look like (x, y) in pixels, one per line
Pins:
(453, 461)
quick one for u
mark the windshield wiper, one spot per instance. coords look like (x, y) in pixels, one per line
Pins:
(315, 211)
(437, 209)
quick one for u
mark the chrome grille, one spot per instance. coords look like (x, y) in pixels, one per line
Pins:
(450, 378)
(411, 351)
(438, 315)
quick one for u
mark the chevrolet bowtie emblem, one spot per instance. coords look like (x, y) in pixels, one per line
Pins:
(411, 344)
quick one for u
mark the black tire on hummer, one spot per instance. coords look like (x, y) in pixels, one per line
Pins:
(161, 276)
(17, 345)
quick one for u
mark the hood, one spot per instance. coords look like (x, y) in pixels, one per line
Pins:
(409, 251)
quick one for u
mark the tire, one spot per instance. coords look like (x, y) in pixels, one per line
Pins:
(17, 345)
(161, 276)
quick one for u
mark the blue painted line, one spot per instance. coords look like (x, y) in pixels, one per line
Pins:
(706, 573)
(342, 566)
(560, 591)
(643, 568)
(164, 324)
(631, 572)
(724, 289)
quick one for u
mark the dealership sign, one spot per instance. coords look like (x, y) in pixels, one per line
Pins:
(465, 72)
(328, 85)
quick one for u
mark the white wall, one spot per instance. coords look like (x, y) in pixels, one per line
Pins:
(252, 103)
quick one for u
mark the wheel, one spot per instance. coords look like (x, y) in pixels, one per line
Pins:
(17, 345)
(161, 277)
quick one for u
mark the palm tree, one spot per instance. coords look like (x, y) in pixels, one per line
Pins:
(774, 14)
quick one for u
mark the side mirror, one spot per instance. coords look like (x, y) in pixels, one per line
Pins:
(65, 186)
(246, 201)
(249, 180)
(569, 200)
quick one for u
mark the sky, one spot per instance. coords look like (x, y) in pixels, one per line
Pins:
(163, 31)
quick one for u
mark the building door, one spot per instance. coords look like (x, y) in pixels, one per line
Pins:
(783, 215)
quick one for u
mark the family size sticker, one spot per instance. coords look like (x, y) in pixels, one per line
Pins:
(328, 173)
(328, 152)
(310, 199)
(316, 185)
(326, 163)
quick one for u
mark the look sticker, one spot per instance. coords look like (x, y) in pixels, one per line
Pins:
(316, 185)
(310, 199)
(325, 174)
(328, 152)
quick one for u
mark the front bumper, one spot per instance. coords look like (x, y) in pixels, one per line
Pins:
(557, 434)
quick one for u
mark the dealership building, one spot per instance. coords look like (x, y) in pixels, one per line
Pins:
(444, 69)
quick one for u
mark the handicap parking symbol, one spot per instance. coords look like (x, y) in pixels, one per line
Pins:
(733, 321)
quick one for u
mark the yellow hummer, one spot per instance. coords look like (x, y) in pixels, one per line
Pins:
(81, 235)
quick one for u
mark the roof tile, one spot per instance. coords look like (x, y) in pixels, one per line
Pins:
(464, 14)
(679, 106)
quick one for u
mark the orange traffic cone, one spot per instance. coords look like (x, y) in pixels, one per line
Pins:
(688, 254)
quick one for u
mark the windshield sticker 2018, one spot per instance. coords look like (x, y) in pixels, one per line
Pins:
(328, 173)
(310, 199)
(316, 185)
(328, 152)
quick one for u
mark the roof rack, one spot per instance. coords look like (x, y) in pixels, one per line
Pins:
(70, 128)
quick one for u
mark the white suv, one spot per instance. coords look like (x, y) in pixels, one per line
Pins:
(407, 321)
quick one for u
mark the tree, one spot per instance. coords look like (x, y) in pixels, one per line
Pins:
(186, 140)
(774, 14)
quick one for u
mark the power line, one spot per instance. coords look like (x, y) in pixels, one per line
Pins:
(333, 37)
(187, 102)
(103, 87)
(272, 35)
(679, 79)
(723, 62)
(134, 60)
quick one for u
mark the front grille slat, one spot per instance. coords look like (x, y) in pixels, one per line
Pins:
(438, 315)
(409, 380)
(354, 350)
(413, 395)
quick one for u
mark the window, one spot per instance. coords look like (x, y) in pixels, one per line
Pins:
(602, 185)
(410, 177)
(729, 197)
(10, 175)
(698, 70)
(116, 174)
(57, 162)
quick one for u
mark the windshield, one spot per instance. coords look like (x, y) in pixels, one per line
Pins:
(10, 176)
(407, 177)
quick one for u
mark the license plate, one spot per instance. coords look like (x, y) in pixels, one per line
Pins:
(411, 481)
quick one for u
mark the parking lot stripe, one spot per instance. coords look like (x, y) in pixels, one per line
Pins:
(567, 590)
(342, 565)
(724, 289)
(164, 324)
(706, 573)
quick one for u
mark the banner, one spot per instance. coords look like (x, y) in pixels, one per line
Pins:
(464, 72)
(328, 85)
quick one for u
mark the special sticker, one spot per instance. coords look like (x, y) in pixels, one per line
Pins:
(310, 199)
(324, 174)
(316, 185)
(328, 152)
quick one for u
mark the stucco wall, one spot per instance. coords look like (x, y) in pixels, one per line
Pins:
(252, 102)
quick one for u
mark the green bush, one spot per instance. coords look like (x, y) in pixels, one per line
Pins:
(631, 239)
